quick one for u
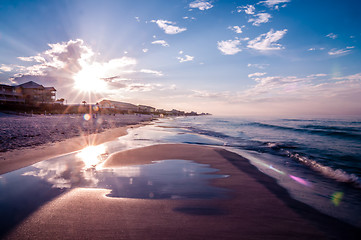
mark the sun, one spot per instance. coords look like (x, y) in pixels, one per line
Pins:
(92, 155)
(88, 79)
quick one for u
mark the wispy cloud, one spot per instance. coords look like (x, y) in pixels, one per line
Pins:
(161, 42)
(304, 88)
(201, 5)
(267, 41)
(257, 74)
(258, 65)
(344, 51)
(317, 75)
(207, 94)
(141, 87)
(315, 49)
(158, 73)
(332, 35)
(260, 18)
(236, 29)
(169, 27)
(229, 47)
(272, 3)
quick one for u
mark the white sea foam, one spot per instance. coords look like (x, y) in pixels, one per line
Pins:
(336, 174)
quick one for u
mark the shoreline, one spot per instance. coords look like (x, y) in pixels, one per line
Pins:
(18, 158)
(257, 208)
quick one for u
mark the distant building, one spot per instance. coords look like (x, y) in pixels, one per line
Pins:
(29, 93)
(147, 109)
(119, 106)
(176, 112)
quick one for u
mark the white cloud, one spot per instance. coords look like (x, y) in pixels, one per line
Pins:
(5, 68)
(229, 47)
(236, 29)
(186, 58)
(65, 57)
(267, 41)
(158, 73)
(161, 42)
(142, 87)
(201, 5)
(261, 18)
(332, 35)
(72, 67)
(335, 51)
(317, 75)
(257, 74)
(288, 95)
(169, 27)
(314, 49)
(257, 65)
(271, 3)
(303, 88)
(354, 77)
(249, 9)
(137, 19)
(145, 50)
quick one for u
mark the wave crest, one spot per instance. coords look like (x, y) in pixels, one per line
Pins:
(336, 174)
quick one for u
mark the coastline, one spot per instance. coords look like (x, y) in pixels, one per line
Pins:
(257, 207)
(23, 157)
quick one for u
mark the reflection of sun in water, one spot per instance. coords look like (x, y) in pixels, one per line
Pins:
(89, 80)
(92, 155)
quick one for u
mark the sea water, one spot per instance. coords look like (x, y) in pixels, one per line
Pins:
(317, 160)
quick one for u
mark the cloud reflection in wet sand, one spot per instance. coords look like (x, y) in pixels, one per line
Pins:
(161, 179)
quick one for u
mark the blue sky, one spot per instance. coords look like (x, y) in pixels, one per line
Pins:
(271, 57)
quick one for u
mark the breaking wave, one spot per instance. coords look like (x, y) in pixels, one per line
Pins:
(336, 174)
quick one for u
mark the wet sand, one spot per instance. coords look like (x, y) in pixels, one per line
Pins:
(19, 158)
(256, 208)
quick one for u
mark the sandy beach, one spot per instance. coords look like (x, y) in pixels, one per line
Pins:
(256, 207)
(27, 140)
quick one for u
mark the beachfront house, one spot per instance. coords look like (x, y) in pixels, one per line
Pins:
(10, 95)
(109, 105)
(29, 93)
(34, 93)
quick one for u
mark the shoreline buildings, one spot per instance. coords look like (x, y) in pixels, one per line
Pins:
(31, 96)
(29, 93)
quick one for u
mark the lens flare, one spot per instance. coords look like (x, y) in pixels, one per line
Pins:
(87, 117)
(336, 198)
(300, 180)
(92, 155)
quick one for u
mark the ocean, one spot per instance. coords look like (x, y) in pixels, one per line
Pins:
(317, 160)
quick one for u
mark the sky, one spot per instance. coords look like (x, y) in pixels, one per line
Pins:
(240, 57)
